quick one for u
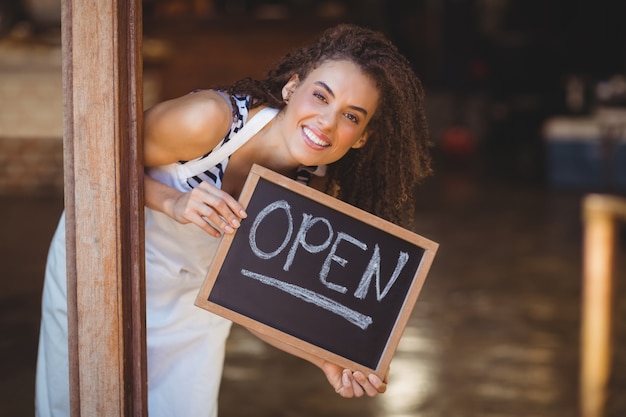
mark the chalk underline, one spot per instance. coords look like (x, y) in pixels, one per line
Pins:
(358, 319)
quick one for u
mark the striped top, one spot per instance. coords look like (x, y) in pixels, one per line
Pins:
(215, 174)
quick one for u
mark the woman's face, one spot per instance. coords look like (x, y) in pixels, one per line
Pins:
(327, 112)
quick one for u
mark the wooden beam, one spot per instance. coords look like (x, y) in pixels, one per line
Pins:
(102, 89)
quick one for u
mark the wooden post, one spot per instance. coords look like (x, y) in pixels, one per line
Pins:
(600, 220)
(102, 90)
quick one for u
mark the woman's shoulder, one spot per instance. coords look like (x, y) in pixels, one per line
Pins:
(186, 127)
(207, 104)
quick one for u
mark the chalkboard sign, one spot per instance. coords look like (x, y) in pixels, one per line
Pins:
(318, 274)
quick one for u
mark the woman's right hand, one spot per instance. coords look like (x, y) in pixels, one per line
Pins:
(206, 206)
(209, 208)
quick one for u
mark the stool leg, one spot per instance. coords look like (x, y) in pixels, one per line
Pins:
(596, 311)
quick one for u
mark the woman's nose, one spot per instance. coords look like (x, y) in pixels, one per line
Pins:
(327, 119)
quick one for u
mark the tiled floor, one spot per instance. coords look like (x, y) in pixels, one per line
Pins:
(495, 332)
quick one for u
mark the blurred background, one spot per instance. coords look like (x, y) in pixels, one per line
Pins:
(526, 102)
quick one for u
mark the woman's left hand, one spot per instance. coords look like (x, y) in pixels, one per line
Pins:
(350, 384)
(346, 383)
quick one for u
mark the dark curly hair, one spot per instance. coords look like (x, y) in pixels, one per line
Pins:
(381, 176)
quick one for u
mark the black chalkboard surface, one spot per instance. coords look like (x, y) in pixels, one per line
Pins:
(318, 274)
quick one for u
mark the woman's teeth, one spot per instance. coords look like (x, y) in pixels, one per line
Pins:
(313, 138)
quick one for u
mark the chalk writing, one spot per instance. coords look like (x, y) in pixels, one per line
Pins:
(354, 317)
(300, 240)
(374, 268)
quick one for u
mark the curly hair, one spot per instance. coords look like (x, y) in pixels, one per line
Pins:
(380, 177)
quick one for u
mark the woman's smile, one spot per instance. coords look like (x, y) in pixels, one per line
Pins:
(328, 112)
(314, 140)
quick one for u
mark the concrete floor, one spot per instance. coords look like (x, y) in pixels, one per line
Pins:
(495, 332)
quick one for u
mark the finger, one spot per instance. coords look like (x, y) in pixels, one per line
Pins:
(211, 211)
(205, 225)
(365, 383)
(346, 390)
(357, 389)
(379, 385)
(226, 205)
(220, 212)
(197, 213)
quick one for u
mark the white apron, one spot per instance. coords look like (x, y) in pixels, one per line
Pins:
(185, 344)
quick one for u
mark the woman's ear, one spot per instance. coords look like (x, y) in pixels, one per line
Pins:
(360, 142)
(289, 88)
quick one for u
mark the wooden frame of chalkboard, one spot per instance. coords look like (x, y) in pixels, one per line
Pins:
(320, 275)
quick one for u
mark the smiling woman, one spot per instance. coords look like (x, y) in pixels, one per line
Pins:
(349, 105)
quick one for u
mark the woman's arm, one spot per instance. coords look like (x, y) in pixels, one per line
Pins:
(183, 129)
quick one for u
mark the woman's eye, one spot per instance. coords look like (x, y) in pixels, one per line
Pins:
(352, 118)
(320, 96)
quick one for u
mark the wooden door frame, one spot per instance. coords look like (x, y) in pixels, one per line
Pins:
(102, 95)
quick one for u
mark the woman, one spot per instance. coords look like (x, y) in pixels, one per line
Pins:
(348, 104)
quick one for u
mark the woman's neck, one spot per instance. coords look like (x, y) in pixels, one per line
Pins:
(267, 148)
